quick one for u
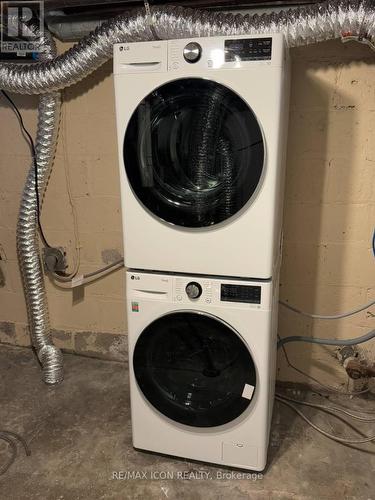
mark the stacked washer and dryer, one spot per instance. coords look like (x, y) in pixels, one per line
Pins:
(201, 132)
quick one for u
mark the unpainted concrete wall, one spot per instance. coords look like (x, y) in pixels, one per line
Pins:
(329, 215)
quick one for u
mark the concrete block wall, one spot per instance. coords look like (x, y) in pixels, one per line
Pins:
(328, 219)
(329, 214)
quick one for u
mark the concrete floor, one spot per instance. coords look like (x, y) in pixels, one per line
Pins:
(80, 435)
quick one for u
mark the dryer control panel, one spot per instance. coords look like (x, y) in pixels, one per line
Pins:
(194, 55)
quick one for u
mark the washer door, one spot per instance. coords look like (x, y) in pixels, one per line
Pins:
(194, 369)
(193, 153)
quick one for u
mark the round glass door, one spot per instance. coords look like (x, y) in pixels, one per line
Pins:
(194, 369)
(193, 153)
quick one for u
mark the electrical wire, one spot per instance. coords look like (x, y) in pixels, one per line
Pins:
(38, 201)
(30, 141)
(333, 316)
(335, 342)
(340, 418)
(84, 279)
(19, 438)
(359, 410)
(60, 277)
(316, 381)
(330, 409)
(77, 259)
(9, 437)
(74, 281)
(365, 41)
(119, 262)
(13, 456)
(339, 439)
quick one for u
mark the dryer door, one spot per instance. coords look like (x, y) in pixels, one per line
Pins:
(193, 153)
(194, 369)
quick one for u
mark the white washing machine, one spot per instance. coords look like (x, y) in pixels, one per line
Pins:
(201, 133)
(202, 357)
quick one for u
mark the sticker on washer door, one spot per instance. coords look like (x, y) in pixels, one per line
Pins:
(135, 307)
(248, 391)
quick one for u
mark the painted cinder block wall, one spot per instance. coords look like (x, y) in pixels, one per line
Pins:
(329, 213)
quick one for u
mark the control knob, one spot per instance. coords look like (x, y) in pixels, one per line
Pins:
(192, 52)
(193, 290)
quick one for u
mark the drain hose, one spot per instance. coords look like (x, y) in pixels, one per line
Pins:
(300, 26)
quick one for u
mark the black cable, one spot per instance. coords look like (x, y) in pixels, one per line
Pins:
(34, 159)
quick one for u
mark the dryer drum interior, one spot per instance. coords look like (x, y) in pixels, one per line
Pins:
(194, 369)
(193, 152)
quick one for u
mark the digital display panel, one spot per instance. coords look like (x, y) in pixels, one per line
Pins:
(248, 49)
(241, 293)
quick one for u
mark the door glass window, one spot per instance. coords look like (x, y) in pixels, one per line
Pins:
(194, 369)
(193, 152)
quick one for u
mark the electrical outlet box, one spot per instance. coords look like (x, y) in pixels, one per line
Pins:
(54, 260)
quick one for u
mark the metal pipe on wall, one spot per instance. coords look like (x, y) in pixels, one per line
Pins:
(300, 26)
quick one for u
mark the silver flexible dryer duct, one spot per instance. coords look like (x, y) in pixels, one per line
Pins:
(49, 356)
(301, 26)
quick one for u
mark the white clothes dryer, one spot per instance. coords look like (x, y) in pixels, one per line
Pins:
(202, 128)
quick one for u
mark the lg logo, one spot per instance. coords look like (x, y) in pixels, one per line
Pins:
(124, 47)
(135, 277)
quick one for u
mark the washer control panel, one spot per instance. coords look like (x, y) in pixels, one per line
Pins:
(215, 292)
(198, 291)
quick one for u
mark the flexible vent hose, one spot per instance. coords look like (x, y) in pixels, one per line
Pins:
(49, 356)
(300, 26)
